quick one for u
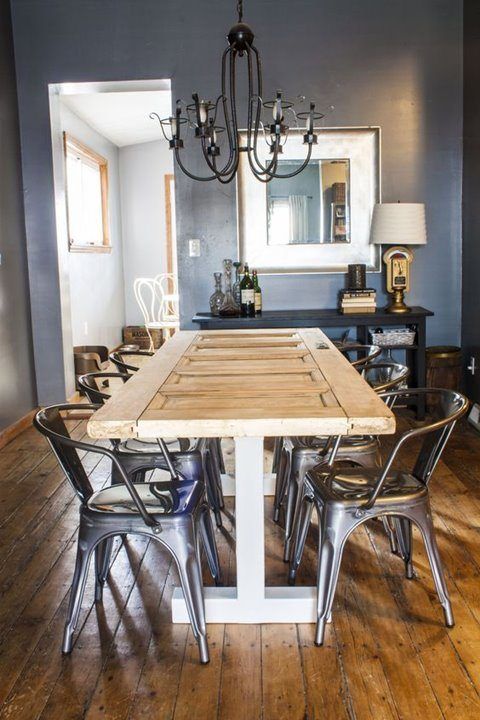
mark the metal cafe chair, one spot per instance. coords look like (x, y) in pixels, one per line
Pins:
(345, 498)
(360, 355)
(170, 510)
(299, 454)
(96, 390)
(117, 358)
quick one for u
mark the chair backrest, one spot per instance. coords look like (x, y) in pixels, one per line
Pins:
(51, 424)
(385, 376)
(118, 359)
(149, 296)
(451, 406)
(167, 284)
(97, 385)
(360, 355)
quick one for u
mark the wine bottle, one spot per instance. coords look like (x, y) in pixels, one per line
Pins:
(247, 294)
(258, 293)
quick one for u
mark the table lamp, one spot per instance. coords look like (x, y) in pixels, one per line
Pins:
(398, 224)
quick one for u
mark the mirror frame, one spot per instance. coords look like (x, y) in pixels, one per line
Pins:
(360, 145)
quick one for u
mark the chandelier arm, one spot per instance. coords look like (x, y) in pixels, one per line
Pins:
(232, 162)
(298, 170)
(189, 174)
(232, 141)
(258, 169)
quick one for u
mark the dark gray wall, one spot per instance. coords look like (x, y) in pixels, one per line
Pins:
(471, 194)
(17, 387)
(396, 64)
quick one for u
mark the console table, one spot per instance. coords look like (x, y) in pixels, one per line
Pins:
(332, 318)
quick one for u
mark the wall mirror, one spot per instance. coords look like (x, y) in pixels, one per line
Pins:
(319, 220)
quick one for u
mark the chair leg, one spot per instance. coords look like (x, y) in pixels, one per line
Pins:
(277, 449)
(221, 461)
(281, 482)
(84, 553)
(103, 553)
(208, 538)
(304, 519)
(390, 529)
(425, 523)
(403, 532)
(333, 535)
(217, 463)
(300, 463)
(183, 544)
(212, 486)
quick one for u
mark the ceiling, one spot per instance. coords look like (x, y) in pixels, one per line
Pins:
(122, 117)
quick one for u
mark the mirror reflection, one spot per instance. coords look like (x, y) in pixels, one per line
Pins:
(312, 207)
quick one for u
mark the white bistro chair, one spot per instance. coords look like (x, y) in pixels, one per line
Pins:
(159, 307)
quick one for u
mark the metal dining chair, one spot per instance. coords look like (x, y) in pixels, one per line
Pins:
(299, 454)
(117, 357)
(97, 387)
(171, 511)
(345, 498)
(360, 355)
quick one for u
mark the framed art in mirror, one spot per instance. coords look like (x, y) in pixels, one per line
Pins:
(319, 220)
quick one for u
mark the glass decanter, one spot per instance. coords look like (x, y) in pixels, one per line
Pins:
(236, 285)
(216, 300)
(229, 306)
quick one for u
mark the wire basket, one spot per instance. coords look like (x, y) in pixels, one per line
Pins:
(393, 337)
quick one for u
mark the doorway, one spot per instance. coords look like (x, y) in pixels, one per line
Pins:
(115, 205)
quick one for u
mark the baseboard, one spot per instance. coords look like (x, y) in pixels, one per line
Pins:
(11, 432)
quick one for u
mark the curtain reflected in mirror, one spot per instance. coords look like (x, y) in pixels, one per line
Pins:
(312, 207)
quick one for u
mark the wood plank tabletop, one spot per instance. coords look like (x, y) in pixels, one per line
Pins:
(257, 383)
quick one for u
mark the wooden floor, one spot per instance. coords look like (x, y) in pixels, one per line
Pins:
(387, 653)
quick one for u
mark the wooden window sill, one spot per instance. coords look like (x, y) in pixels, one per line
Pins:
(90, 248)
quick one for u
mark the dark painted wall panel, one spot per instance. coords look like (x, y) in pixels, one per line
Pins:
(471, 193)
(17, 387)
(393, 64)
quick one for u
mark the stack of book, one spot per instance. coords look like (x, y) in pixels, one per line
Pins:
(358, 301)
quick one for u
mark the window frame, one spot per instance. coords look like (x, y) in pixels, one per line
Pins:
(91, 156)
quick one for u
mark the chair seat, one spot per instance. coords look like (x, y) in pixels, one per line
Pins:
(159, 498)
(349, 443)
(350, 485)
(151, 446)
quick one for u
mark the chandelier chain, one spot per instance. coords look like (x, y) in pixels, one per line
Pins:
(240, 10)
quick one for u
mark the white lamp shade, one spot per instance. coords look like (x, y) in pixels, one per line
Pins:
(399, 224)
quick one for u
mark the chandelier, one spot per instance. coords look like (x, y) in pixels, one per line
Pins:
(204, 117)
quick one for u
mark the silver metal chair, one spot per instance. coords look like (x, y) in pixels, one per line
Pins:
(299, 454)
(171, 511)
(118, 359)
(346, 498)
(360, 355)
(97, 387)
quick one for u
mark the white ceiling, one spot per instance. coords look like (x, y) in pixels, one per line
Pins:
(122, 117)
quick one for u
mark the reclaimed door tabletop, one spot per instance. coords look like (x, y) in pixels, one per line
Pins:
(246, 384)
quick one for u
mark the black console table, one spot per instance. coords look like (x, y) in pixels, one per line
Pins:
(332, 318)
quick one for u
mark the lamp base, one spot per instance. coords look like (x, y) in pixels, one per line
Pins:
(397, 305)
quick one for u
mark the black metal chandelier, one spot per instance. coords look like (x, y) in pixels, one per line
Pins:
(202, 116)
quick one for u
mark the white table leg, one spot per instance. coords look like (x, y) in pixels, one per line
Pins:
(251, 601)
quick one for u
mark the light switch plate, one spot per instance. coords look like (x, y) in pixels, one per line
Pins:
(194, 248)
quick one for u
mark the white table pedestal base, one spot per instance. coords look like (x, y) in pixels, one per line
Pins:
(251, 601)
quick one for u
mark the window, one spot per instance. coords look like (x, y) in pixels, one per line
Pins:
(87, 198)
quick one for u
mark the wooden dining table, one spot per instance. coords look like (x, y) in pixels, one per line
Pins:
(248, 385)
